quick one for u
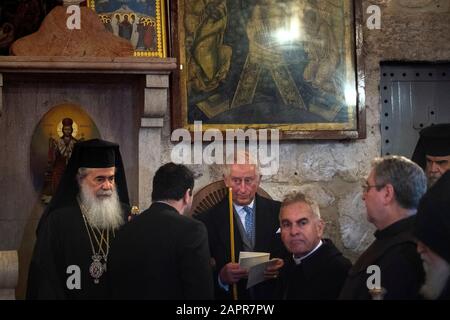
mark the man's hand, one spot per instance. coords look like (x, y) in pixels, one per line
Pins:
(272, 270)
(232, 273)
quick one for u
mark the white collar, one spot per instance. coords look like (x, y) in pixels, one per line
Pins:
(299, 260)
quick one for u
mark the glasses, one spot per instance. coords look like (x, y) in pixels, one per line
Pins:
(366, 186)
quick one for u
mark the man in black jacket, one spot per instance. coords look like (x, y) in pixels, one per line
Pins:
(433, 232)
(316, 269)
(161, 254)
(255, 229)
(391, 193)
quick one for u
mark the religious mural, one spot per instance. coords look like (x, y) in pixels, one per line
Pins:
(142, 22)
(268, 63)
(52, 144)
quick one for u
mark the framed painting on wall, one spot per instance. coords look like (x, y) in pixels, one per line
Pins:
(292, 65)
(142, 22)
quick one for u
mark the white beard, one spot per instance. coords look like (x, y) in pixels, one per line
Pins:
(105, 212)
(436, 277)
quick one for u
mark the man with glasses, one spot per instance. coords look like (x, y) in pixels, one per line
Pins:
(391, 194)
(256, 228)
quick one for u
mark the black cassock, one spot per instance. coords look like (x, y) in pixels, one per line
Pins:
(319, 276)
(394, 252)
(62, 245)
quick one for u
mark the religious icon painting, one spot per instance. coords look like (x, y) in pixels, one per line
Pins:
(142, 22)
(291, 65)
(52, 143)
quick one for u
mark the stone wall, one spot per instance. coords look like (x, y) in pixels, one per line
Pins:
(331, 172)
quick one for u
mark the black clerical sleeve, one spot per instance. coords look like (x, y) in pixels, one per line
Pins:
(401, 272)
(44, 282)
(63, 255)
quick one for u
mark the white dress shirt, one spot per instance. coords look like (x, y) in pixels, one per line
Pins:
(241, 212)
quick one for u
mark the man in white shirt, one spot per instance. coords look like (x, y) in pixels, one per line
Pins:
(255, 229)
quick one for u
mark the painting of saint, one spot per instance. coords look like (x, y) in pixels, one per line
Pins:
(268, 63)
(52, 144)
(142, 22)
(59, 152)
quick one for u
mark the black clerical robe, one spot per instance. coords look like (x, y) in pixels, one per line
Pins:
(445, 294)
(394, 252)
(62, 246)
(320, 276)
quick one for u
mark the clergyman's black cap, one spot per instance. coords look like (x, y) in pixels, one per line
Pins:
(433, 141)
(96, 153)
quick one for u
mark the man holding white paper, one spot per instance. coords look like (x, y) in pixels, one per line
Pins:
(255, 230)
(257, 263)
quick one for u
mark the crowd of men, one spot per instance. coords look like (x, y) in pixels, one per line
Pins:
(88, 247)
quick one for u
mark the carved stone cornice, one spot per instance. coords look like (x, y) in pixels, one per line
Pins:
(119, 65)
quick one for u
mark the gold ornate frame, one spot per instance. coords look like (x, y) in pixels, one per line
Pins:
(216, 88)
(153, 27)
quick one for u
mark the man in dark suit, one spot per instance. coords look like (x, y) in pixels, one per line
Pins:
(162, 254)
(256, 229)
(315, 269)
(391, 193)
